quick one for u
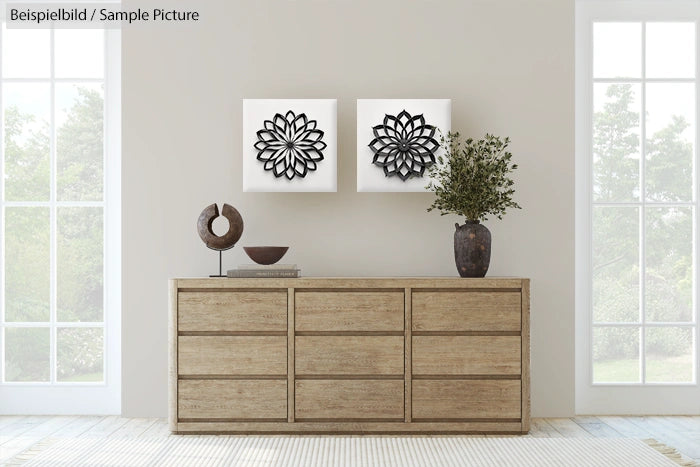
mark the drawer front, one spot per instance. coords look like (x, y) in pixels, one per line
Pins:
(232, 311)
(460, 399)
(349, 311)
(349, 399)
(349, 355)
(239, 399)
(232, 355)
(466, 355)
(466, 311)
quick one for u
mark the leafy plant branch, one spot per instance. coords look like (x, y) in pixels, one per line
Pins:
(472, 178)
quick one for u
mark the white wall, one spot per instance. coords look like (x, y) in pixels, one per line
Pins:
(508, 67)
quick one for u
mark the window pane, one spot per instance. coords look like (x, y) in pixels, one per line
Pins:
(670, 50)
(79, 264)
(669, 264)
(80, 354)
(616, 355)
(617, 50)
(79, 53)
(79, 145)
(27, 354)
(26, 117)
(616, 142)
(27, 268)
(670, 141)
(26, 53)
(669, 355)
(615, 264)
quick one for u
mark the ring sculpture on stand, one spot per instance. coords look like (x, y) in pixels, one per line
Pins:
(223, 242)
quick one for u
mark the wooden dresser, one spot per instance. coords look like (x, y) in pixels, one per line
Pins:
(350, 355)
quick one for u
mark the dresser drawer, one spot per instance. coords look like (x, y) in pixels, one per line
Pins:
(466, 355)
(232, 311)
(466, 311)
(349, 311)
(232, 355)
(349, 399)
(349, 355)
(466, 399)
(232, 399)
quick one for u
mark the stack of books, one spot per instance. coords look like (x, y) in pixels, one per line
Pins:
(261, 270)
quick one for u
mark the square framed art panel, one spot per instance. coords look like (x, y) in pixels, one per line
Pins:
(397, 140)
(290, 145)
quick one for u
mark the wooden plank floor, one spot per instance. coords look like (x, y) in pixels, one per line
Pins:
(17, 433)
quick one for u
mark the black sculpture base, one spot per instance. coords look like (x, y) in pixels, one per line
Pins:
(221, 274)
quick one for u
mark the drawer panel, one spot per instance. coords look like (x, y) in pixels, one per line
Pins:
(459, 399)
(349, 399)
(466, 311)
(232, 355)
(349, 311)
(227, 399)
(349, 355)
(466, 355)
(232, 311)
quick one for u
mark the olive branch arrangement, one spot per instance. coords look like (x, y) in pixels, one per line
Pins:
(472, 178)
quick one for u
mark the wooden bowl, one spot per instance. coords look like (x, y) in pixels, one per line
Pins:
(265, 254)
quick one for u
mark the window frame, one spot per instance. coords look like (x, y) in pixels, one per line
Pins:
(638, 397)
(56, 397)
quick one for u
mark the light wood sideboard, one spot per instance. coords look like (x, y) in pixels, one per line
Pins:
(350, 355)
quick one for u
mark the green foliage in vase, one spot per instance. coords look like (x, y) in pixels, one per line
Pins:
(472, 178)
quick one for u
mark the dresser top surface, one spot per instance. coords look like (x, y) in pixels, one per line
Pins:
(354, 282)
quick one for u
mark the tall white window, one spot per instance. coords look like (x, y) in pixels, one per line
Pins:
(637, 227)
(59, 261)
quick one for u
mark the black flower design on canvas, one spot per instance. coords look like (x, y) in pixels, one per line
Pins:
(404, 145)
(290, 145)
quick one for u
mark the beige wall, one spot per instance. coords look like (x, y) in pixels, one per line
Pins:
(507, 65)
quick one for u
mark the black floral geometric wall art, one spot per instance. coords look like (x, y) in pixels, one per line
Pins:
(397, 140)
(290, 145)
(404, 145)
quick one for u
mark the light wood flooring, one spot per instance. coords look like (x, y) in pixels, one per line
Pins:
(17, 433)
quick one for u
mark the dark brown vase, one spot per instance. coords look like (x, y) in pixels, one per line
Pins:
(472, 249)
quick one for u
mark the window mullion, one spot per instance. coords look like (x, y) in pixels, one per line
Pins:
(658, 204)
(642, 210)
(696, 230)
(2, 220)
(60, 204)
(646, 80)
(52, 215)
(590, 203)
(55, 80)
(105, 187)
(652, 324)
